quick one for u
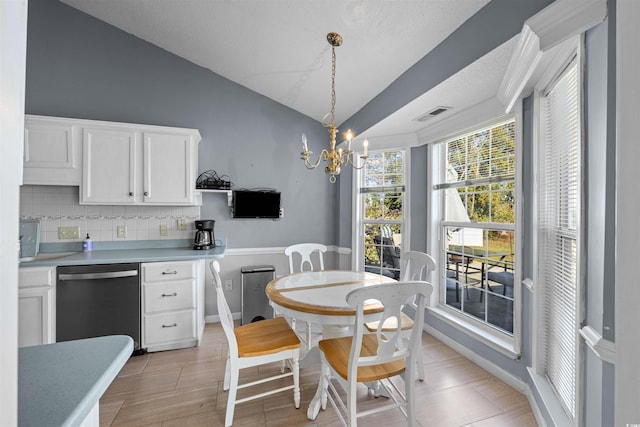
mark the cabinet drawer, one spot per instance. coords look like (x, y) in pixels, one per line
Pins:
(169, 327)
(29, 277)
(174, 295)
(164, 271)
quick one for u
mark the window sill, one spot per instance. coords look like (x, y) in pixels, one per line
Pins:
(493, 339)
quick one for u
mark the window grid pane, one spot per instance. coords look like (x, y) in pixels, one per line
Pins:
(383, 212)
(479, 259)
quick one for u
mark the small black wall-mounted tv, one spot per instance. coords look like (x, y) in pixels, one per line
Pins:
(256, 204)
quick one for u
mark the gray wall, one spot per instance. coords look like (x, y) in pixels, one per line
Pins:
(78, 66)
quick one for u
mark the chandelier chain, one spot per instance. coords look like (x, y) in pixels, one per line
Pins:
(333, 85)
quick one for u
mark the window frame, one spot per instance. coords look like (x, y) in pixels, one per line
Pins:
(357, 254)
(556, 69)
(508, 345)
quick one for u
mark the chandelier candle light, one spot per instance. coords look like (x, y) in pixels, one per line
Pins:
(336, 158)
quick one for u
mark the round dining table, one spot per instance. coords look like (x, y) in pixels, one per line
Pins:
(320, 297)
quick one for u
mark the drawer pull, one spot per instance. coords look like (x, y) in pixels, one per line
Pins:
(169, 272)
(175, 294)
(170, 326)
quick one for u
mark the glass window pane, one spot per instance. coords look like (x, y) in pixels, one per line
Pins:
(479, 261)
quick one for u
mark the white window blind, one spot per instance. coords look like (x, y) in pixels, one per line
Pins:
(558, 238)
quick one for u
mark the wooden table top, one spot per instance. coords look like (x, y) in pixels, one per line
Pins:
(323, 292)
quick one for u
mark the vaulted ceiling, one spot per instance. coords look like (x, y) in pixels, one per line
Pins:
(278, 48)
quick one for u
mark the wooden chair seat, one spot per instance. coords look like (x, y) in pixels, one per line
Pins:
(374, 359)
(255, 344)
(265, 337)
(406, 324)
(336, 352)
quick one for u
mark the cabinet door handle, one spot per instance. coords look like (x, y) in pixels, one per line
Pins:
(175, 294)
(146, 193)
(169, 272)
(170, 326)
(130, 193)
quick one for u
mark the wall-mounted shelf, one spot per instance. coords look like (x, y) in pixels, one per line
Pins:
(229, 194)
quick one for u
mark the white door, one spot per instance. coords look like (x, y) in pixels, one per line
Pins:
(169, 166)
(109, 168)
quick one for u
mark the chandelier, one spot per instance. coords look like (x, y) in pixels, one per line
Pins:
(335, 158)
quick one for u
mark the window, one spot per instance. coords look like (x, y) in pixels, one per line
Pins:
(557, 234)
(382, 212)
(476, 188)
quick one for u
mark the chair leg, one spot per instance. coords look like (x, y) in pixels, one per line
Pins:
(351, 404)
(308, 336)
(227, 368)
(231, 398)
(409, 388)
(419, 365)
(296, 381)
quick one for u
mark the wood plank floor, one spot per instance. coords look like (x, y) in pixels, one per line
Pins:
(184, 388)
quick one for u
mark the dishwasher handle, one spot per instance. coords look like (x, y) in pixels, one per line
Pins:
(92, 276)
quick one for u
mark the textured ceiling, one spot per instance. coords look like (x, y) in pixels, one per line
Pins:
(278, 48)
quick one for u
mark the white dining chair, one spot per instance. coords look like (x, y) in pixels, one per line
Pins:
(305, 251)
(254, 344)
(415, 266)
(375, 357)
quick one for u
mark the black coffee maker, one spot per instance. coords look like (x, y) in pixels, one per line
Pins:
(204, 234)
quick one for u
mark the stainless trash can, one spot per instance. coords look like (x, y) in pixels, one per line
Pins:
(255, 304)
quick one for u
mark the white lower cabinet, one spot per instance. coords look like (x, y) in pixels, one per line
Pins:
(36, 306)
(172, 301)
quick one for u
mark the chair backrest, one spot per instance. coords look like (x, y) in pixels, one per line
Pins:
(305, 250)
(226, 318)
(417, 266)
(391, 344)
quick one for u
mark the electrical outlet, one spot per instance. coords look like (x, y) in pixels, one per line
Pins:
(228, 285)
(281, 212)
(164, 230)
(72, 232)
(182, 225)
(121, 232)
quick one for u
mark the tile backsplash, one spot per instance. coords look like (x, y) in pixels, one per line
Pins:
(58, 206)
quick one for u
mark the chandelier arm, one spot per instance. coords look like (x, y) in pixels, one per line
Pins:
(311, 165)
(353, 165)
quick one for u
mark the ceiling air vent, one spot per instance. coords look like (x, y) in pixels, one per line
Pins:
(431, 114)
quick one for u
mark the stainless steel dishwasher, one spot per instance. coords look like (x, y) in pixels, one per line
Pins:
(98, 300)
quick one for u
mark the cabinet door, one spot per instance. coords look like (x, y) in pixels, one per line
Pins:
(169, 168)
(51, 152)
(35, 317)
(109, 166)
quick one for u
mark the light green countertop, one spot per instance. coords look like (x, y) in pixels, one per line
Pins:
(103, 254)
(59, 384)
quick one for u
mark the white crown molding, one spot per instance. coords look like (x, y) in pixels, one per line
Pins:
(558, 22)
(604, 349)
(405, 140)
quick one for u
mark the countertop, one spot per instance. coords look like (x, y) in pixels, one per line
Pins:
(59, 384)
(117, 255)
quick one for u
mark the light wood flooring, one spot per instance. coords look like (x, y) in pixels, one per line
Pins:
(184, 388)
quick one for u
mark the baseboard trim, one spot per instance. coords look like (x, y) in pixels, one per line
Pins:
(214, 318)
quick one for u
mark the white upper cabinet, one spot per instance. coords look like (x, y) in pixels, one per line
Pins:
(169, 168)
(109, 166)
(136, 164)
(113, 163)
(52, 152)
